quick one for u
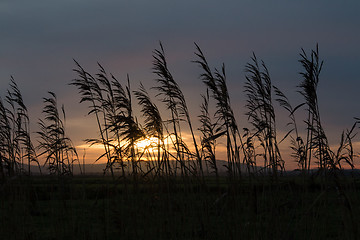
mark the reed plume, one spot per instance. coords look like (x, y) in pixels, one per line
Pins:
(91, 92)
(297, 143)
(57, 148)
(208, 130)
(16, 148)
(130, 130)
(224, 115)
(174, 99)
(258, 88)
(154, 128)
(316, 141)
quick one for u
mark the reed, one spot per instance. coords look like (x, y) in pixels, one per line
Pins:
(316, 143)
(110, 88)
(58, 150)
(119, 130)
(91, 92)
(216, 83)
(316, 140)
(16, 148)
(174, 100)
(126, 122)
(208, 130)
(154, 128)
(261, 114)
(297, 143)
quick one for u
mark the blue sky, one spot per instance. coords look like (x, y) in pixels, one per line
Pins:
(39, 39)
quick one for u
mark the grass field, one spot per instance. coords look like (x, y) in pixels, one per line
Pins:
(159, 186)
(94, 207)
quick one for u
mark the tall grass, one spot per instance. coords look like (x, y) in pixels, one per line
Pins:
(316, 140)
(174, 99)
(16, 148)
(119, 131)
(297, 143)
(154, 128)
(58, 150)
(131, 132)
(92, 93)
(216, 83)
(315, 144)
(261, 113)
(318, 204)
(208, 130)
(112, 105)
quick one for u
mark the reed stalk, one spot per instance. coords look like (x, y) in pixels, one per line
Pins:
(261, 113)
(174, 99)
(16, 148)
(208, 130)
(57, 148)
(216, 83)
(153, 127)
(91, 92)
(316, 141)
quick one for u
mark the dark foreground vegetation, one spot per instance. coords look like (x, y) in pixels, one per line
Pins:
(85, 207)
(172, 189)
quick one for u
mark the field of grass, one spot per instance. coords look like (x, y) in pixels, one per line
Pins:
(156, 185)
(94, 207)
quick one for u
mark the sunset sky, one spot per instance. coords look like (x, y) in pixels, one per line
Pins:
(40, 39)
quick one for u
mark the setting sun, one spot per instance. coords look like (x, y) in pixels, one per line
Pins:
(149, 144)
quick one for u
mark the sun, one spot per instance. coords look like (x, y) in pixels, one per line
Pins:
(149, 144)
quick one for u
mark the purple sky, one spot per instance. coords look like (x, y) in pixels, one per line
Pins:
(39, 39)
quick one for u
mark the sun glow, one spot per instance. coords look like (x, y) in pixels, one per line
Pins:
(145, 148)
(149, 144)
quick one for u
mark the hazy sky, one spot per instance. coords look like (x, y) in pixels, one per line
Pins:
(39, 39)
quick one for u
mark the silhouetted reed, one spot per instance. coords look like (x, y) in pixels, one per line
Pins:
(154, 128)
(90, 92)
(130, 131)
(216, 83)
(112, 105)
(258, 88)
(316, 141)
(174, 99)
(56, 147)
(16, 148)
(208, 140)
(296, 143)
(119, 130)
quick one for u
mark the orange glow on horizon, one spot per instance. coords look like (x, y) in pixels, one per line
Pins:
(150, 145)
